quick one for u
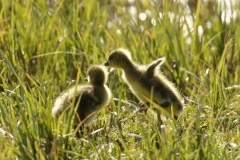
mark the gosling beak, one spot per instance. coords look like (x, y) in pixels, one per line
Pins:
(87, 78)
(106, 64)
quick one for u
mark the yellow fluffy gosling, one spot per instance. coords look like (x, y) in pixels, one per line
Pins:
(90, 98)
(147, 82)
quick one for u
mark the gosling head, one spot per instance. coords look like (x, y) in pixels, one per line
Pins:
(119, 58)
(97, 75)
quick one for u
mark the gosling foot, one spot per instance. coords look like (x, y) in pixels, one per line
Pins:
(143, 107)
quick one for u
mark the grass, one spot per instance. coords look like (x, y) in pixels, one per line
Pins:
(46, 47)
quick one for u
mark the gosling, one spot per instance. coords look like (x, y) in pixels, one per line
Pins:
(89, 98)
(147, 82)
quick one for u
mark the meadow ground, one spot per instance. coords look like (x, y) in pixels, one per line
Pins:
(46, 47)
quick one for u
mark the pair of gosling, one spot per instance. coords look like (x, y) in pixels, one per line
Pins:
(147, 83)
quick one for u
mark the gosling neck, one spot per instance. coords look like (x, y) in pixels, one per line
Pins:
(127, 65)
(98, 82)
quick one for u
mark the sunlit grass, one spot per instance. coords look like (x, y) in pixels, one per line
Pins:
(46, 47)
